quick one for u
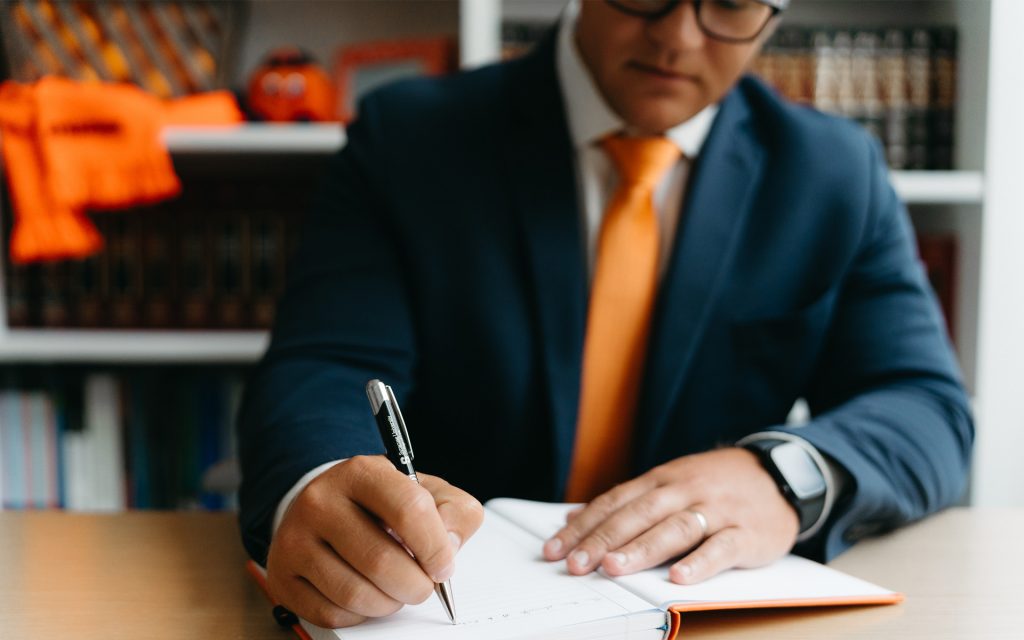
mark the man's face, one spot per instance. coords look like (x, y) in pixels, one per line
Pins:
(656, 74)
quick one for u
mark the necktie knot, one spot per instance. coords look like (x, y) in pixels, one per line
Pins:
(641, 161)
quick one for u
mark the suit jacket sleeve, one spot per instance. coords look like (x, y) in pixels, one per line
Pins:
(344, 319)
(888, 402)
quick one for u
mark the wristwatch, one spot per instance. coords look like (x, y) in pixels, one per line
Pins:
(798, 476)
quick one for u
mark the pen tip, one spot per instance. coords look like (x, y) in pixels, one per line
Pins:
(444, 591)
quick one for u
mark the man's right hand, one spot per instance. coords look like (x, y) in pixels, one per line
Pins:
(331, 560)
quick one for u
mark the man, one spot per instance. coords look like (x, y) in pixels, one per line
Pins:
(613, 261)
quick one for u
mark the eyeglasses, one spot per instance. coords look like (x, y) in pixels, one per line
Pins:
(726, 20)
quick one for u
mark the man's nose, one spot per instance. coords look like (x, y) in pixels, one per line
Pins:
(679, 29)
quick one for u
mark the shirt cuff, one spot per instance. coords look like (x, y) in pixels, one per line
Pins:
(832, 472)
(289, 498)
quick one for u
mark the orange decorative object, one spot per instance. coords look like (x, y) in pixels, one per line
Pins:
(290, 87)
(71, 146)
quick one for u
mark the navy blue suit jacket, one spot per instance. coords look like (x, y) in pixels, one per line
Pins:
(445, 257)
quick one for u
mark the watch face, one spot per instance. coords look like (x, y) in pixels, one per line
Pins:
(796, 465)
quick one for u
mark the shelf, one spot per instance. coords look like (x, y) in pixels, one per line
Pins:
(939, 187)
(131, 346)
(313, 138)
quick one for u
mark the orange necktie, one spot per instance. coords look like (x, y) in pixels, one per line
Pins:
(621, 299)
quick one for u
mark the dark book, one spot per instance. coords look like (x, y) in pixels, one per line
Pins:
(158, 305)
(54, 302)
(126, 269)
(894, 87)
(939, 254)
(18, 281)
(231, 268)
(195, 267)
(89, 283)
(919, 98)
(943, 97)
(866, 107)
(268, 237)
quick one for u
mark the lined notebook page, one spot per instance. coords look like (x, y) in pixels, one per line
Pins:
(791, 578)
(504, 589)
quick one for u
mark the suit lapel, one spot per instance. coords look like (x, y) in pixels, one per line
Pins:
(542, 177)
(718, 201)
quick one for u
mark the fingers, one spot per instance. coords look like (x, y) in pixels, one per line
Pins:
(406, 507)
(344, 586)
(371, 552)
(629, 521)
(461, 513)
(305, 601)
(721, 551)
(332, 560)
(680, 532)
(592, 515)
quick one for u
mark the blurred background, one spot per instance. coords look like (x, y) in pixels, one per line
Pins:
(122, 364)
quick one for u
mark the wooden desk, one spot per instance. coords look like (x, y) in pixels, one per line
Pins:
(180, 575)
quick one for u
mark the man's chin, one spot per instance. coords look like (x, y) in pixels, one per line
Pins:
(658, 121)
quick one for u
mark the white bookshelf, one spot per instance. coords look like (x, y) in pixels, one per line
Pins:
(256, 138)
(136, 346)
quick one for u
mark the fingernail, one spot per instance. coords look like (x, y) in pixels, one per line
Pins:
(581, 558)
(618, 558)
(552, 546)
(685, 570)
(455, 539)
(448, 572)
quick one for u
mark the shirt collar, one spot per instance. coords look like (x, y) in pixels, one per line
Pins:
(590, 118)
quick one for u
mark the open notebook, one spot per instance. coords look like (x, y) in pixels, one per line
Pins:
(504, 589)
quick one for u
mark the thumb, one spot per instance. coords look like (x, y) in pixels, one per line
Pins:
(461, 513)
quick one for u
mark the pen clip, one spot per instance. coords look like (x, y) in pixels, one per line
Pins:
(401, 421)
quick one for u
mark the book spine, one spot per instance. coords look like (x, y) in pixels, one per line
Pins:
(919, 91)
(826, 73)
(867, 102)
(194, 259)
(89, 284)
(15, 452)
(54, 299)
(104, 430)
(267, 266)
(938, 253)
(126, 271)
(19, 305)
(943, 97)
(231, 285)
(158, 270)
(894, 85)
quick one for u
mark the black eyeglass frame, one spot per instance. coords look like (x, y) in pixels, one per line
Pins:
(776, 6)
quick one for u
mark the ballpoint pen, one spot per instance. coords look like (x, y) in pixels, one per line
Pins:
(398, 448)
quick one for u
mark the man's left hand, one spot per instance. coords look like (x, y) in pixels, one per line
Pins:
(650, 520)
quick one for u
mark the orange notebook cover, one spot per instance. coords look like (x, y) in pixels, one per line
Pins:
(504, 589)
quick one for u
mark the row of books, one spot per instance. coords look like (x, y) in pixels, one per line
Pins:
(900, 83)
(214, 258)
(108, 441)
